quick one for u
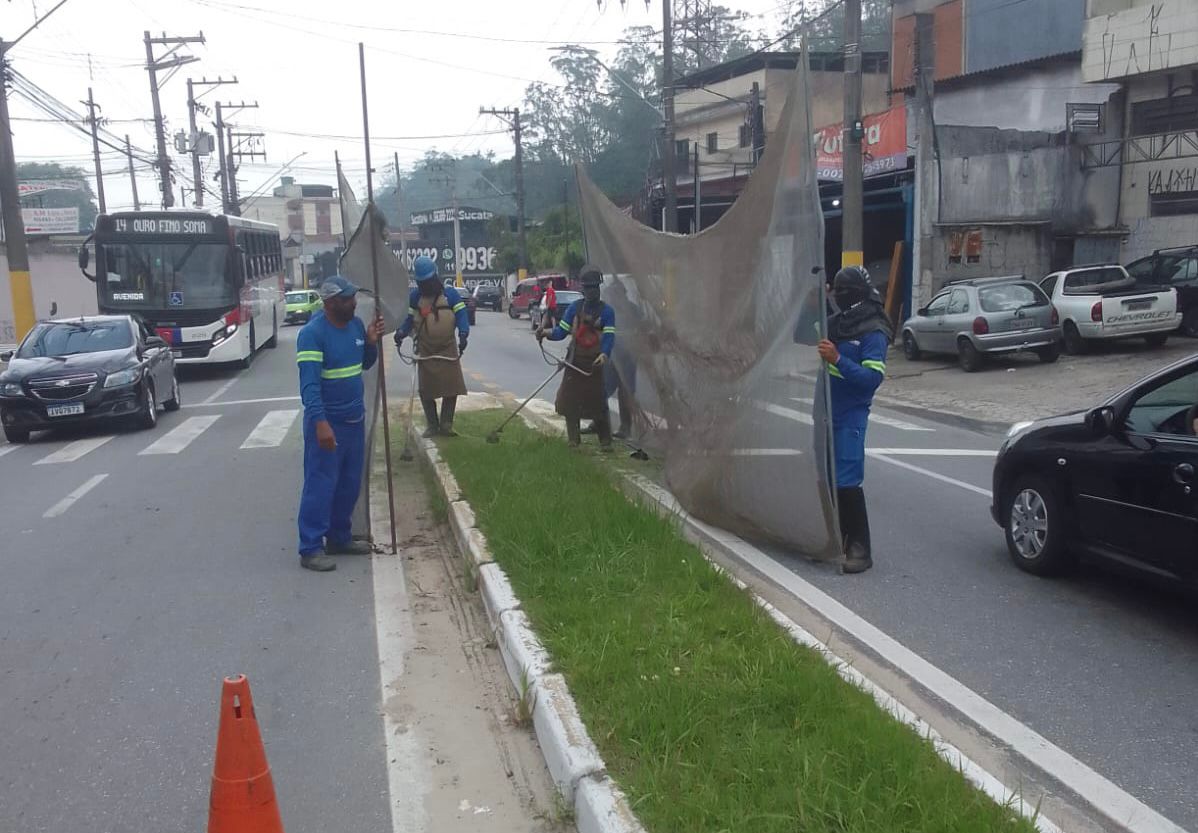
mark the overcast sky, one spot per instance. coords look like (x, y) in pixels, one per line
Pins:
(298, 59)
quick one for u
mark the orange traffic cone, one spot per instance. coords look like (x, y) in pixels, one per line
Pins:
(243, 794)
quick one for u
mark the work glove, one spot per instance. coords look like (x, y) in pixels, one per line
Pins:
(540, 336)
(600, 360)
(399, 337)
(461, 345)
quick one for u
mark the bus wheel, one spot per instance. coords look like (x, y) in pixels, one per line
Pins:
(245, 363)
(274, 338)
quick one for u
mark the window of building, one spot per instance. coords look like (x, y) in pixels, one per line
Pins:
(324, 219)
(713, 142)
(682, 149)
(1165, 115)
(1174, 204)
(745, 136)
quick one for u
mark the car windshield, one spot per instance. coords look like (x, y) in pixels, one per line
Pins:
(297, 297)
(168, 275)
(1009, 297)
(565, 297)
(68, 338)
(1080, 283)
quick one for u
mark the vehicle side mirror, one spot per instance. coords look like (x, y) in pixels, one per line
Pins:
(6, 356)
(85, 259)
(922, 311)
(1101, 421)
(155, 341)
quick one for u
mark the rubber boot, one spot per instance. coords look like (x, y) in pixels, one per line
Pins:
(430, 416)
(449, 406)
(625, 401)
(854, 526)
(603, 429)
(573, 432)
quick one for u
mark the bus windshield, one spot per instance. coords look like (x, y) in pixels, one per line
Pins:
(167, 275)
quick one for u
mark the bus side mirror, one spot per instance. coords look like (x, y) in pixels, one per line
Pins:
(85, 259)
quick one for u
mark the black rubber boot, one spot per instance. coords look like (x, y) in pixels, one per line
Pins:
(318, 563)
(449, 406)
(430, 416)
(854, 526)
(590, 428)
(603, 429)
(573, 432)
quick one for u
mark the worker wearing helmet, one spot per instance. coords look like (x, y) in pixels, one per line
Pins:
(859, 334)
(434, 312)
(591, 324)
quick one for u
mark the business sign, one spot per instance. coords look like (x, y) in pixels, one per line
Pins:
(40, 186)
(51, 220)
(445, 215)
(162, 225)
(884, 146)
(473, 258)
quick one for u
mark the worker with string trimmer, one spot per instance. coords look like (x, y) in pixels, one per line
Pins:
(436, 312)
(591, 324)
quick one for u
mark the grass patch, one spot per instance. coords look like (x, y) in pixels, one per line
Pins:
(707, 714)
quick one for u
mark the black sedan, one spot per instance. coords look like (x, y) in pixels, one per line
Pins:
(489, 296)
(565, 297)
(1118, 482)
(100, 367)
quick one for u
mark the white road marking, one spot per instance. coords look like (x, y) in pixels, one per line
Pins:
(952, 481)
(746, 452)
(891, 422)
(220, 391)
(5, 449)
(69, 501)
(181, 436)
(242, 402)
(270, 432)
(782, 411)
(934, 452)
(71, 452)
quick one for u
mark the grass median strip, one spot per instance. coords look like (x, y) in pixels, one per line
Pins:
(707, 714)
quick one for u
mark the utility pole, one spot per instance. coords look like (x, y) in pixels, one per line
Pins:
(521, 231)
(234, 151)
(14, 224)
(223, 174)
(197, 175)
(852, 220)
(403, 226)
(698, 194)
(94, 122)
(153, 66)
(132, 175)
(669, 178)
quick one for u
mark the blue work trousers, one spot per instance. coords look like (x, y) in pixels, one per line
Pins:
(332, 480)
(849, 443)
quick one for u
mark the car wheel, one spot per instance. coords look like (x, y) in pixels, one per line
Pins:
(148, 417)
(968, 356)
(1037, 527)
(910, 347)
(245, 363)
(176, 401)
(1156, 340)
(16, 435)
(1075, 345)
(1049, 354)
(512, 313)
(274, 328)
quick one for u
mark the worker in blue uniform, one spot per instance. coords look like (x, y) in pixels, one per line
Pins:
(859, 334)
(332, 350)
(435, 312)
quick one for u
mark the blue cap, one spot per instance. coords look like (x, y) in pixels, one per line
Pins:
(424, 269)
(337, 286)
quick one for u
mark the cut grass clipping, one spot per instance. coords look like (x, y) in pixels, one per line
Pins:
(707, 714)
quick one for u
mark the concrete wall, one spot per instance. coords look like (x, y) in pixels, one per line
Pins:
(1005, 250)
(1020, 98)
(54, 271)
(1127, 38)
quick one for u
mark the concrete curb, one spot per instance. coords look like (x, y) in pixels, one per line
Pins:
(570, 755)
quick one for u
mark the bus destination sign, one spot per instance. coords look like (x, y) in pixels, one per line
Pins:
(163, 225)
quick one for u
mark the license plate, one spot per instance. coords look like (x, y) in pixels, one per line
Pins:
(73, 409)
(1133, 305)
(1020, 324)
(178, 354)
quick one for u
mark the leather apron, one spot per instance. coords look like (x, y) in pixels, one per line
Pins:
(579, 396)
(436, 335)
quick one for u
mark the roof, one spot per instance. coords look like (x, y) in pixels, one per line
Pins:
(987, 281)
(755, 61)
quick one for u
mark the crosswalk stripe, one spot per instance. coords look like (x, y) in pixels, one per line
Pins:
(933, 452)
(69, 501)
(181, 436)
(882, 419)
(271, 430)
(5, 449)
(71, 452)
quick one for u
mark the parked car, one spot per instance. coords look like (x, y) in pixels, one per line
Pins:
(1176, 267)
(471, 306)
(489, 296)
(564, 298)
(530, 290)
(300, 305)
(976, 318)
(1103, 303)
(78, 370)
(1117, 482)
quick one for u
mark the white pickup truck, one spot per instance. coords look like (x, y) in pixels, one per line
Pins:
(1101, 303)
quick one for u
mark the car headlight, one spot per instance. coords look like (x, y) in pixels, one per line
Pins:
(122, 377)
(223, 334)
(10, 389)
(1018, 428)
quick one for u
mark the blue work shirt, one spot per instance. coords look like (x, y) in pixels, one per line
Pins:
(855, 378)
(607, 320)
(331, 360)
(461, 316)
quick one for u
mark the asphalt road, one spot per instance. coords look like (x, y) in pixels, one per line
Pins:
(173, 566)
(1103, 665)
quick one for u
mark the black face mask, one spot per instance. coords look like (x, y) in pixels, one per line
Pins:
(429, 289)
(591, 294)
(847, 299)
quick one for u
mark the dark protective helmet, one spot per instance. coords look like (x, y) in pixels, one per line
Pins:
(851, 286)
(591, 276)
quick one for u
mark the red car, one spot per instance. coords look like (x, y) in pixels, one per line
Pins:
(530, 290)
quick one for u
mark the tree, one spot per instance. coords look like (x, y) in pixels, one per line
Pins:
(83, 200)
(711, 36)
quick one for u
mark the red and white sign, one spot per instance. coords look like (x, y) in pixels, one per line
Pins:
(885, 145)
(39, 186)
(51, 220)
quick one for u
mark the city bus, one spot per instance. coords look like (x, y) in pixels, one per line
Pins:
(211, 285)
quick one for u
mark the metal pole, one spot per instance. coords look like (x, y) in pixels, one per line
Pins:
(457, 234)
(14, 224)
(132, 175)
(852, 220)
(231, 174)
(374, 268)
(195, 156)
(164, 162)
(521, 231)
(698, 194)
(91, 118)
(670, 181)
(403, 226)
(224, 173)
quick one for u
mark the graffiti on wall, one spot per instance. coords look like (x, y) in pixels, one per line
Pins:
(1173, 180)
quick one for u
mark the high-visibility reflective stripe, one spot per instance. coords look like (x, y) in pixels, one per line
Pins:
(459, 306)
(565, 326)
(412, 311)
(873, 364)
(609, 330)
(833, 370)
(342, 372)
(309, 356)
